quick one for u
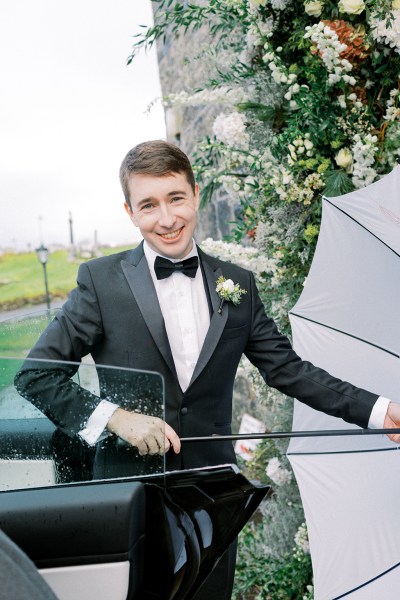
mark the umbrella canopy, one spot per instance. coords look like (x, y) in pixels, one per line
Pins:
(347, 321)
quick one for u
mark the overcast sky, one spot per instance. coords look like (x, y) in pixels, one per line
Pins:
(70, 109)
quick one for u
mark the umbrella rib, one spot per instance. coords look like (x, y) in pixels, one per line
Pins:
(345, 333)
(361, 225)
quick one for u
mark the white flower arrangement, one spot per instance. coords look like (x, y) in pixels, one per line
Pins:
(344, 159)
(277, 473)
(231, 129)
(313, 8)
(257, 3)
(352, 7)
(364, 151)
(279, 4)
(245, 256)
(392, 108)
(223, 94)
(301, 539)
(329, 48)
(387, 35)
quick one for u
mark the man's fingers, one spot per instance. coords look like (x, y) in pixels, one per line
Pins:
(141, 446)
(392, 420)
(173, 438)
(150, 435)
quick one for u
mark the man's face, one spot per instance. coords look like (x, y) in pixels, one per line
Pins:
(164, 209)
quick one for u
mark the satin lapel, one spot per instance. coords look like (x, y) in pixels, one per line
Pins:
(217, 322)
(139, 279)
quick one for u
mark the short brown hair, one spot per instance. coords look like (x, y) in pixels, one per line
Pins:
(157, 158)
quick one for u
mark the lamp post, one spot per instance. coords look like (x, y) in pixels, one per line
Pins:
(43, 254)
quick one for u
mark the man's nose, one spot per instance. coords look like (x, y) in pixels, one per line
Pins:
(166, 217)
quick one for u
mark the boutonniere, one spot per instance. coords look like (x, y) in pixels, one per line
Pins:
(228, 292)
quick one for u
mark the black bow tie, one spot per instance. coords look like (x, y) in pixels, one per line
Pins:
(164, 267)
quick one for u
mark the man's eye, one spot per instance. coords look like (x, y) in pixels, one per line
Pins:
(147, 206)
(176, 199)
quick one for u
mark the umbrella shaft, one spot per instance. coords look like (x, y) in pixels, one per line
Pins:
(289, 434)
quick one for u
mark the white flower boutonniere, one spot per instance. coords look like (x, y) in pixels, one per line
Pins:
(228, 292)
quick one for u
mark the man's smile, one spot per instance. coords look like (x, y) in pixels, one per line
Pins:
(171, 235)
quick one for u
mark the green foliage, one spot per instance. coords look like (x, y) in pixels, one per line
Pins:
(285, 578)
(337, 182)
(174, 17)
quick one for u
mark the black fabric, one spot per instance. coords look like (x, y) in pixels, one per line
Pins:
(19, 578)
(164, 268)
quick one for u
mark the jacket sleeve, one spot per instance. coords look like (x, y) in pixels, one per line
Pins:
(281, 368)
(45, 378)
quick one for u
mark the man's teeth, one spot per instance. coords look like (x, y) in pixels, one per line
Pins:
(170, 236)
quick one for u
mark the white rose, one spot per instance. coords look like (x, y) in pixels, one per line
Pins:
(352, 7)
(313, 8)
(229, 286)
(344, 158)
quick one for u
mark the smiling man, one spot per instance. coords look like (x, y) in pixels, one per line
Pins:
(157, 308)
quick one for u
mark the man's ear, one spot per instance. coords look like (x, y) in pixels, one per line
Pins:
(130, 214)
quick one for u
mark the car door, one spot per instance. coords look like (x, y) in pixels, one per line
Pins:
(154, 535)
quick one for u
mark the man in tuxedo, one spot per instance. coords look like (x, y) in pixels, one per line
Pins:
(156, 308)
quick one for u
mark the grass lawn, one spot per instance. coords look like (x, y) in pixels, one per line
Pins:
(17, 336)
(22, 281)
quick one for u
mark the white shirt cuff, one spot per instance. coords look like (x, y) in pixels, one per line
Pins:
(378, 414)
(97, 422)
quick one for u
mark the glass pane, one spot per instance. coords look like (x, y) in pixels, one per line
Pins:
(43, 404)
(18, 335)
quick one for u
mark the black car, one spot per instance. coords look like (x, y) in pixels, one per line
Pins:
(153, 536)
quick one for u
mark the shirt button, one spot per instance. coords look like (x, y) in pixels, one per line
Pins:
(184, 410)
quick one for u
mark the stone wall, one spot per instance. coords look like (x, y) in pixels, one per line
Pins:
(184, 65)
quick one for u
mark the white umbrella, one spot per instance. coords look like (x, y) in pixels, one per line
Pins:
(347, 321)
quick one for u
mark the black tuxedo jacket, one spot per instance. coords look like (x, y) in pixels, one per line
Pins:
(115, 316)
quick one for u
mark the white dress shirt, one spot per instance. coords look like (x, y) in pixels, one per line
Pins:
(184, 306)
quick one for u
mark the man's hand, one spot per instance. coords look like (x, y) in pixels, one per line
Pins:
(392, 419)
(150, 435)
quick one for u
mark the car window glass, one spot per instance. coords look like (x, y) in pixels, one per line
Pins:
(37, 444)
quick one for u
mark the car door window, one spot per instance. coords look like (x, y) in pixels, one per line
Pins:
(38, 448)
